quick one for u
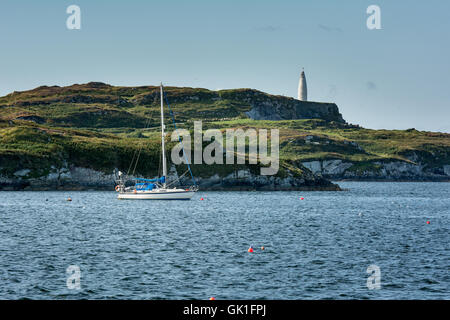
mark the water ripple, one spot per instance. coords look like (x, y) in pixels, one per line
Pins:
(316, 248)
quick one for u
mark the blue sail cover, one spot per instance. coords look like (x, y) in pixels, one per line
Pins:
(146, 184)
(160, 180)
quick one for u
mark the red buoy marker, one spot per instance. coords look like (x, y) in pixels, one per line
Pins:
(212, 298)
(428, 222)
(250, 249)
(302, 198)
(202, 199)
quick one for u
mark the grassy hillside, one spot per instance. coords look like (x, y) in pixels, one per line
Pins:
(98, 105)
(101, 127)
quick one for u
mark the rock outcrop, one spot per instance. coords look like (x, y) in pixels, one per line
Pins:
(78, 178)
(74, 178)
(270, 107)
(295, 109)
(243, 180)
(378, 170)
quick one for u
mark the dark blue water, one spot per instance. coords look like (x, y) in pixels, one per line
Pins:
(316, 248)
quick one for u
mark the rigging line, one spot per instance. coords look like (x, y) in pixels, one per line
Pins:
(179, 178)
(141, 146)
(132, 160)
(135, 151)
(179, 139)
(137, 159)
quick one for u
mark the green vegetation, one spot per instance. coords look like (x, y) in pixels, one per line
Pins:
(102, 127)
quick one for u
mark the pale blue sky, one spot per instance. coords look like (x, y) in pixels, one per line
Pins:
(397, 77)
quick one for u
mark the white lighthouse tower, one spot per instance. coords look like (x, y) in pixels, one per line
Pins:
(302, 88)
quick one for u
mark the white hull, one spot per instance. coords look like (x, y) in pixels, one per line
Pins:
(168, 194)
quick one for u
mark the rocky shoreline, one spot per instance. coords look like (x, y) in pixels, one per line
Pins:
(83, 179)
(77, 178)
(316, 176)
(378, 171)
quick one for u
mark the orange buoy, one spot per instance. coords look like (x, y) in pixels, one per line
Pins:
(262, 248)
(201, 199)
(212, 298)
(69, 199)
(428, 222)
(250, 249)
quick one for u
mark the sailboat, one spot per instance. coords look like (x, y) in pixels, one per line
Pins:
(156, 189)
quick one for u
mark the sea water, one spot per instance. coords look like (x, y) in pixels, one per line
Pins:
(317, 248)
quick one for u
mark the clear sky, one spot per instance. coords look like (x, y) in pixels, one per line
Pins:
(396, 77)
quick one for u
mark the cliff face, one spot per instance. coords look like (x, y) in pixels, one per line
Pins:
(269, 107)
(378, 170)
(274, 110)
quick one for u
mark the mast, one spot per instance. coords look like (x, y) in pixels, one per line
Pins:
(162, 137)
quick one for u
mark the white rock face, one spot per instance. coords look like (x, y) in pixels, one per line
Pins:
(387, 170)
(5, 180)
(172, 177)
(53, 176)
(328, 167)
(75, 176)
(245, 180)
(447, 170)
(314, 166)
(80, 178)
(334, 167)
(400, 169)
(87, 176)
(243, 174)
(22, 173)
